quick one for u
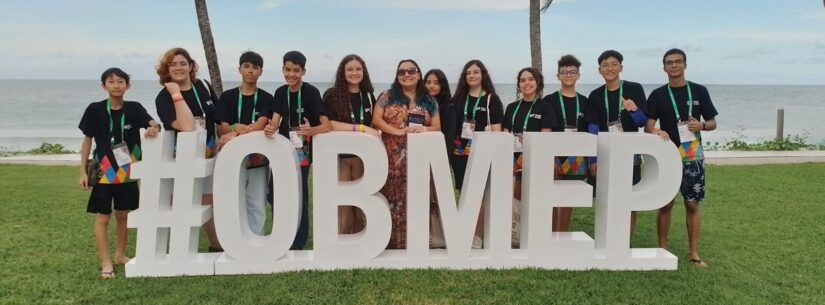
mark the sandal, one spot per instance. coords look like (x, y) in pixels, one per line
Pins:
(107, 274)
(698, 262)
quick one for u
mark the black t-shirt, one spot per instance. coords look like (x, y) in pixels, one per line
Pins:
(311, 107)
(95, 124)
(480, 115)
(359, 108)
(540, 116)
(595, 111)
(661, 107)
(573, 118)
(166, 110)
(227, 109)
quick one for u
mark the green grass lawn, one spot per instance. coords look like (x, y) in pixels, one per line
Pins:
(763, 236)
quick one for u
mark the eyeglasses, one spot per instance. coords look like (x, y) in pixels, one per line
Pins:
(674, 62)
(410, 71)
(568, 73)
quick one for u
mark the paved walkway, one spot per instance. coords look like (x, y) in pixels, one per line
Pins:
(712, 157)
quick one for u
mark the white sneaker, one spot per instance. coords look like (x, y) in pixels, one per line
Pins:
(477, 242)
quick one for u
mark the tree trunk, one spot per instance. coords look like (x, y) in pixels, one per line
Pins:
(535, 34)
(209, 45)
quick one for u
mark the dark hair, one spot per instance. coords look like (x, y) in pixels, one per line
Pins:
(163, 66)
(611, 53)
(296, 58)
(462, 89)
(537, 75)
(336, 97)
(252, 58)
(674, 51)
(570, 61)
(443, 97)
(422, 98)
(113, 72)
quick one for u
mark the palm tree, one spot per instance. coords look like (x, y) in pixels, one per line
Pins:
(536, 8)
(209, 45)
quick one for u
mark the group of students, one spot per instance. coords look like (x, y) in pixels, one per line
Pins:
(414, 103)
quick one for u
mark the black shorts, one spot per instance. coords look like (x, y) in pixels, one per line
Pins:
(124, 195)
(693, 181)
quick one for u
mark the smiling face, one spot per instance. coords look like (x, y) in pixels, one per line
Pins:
(527, 84)
(568, 76)
(408, 75)
(293, 74)
(250, 72)
(354, 72)
(610, 69)
(179, 69)
(675, 65)
(473, 76)
(116, 86)
(433, 86)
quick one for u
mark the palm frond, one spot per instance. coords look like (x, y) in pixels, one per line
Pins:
(545, 6)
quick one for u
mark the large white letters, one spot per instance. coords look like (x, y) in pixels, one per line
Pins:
(488, 186)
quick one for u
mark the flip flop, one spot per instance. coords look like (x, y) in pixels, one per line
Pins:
(107, 274)
(698, 262)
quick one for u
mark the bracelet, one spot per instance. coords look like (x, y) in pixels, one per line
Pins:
(177, 97)
(353, 127)
(232, 127)
(362, 127)
(703, 125)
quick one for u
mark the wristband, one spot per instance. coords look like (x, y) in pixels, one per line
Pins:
(177, 97)
(353, 127)
(361, 127)
(703, 125)
(232, 127)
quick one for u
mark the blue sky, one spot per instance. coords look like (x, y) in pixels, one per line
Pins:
(728, 42)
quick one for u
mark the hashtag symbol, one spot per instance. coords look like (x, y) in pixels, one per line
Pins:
(167, 226)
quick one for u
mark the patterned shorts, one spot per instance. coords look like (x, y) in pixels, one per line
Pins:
(693, 181)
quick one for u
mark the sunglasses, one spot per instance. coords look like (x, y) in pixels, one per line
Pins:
(410, 71)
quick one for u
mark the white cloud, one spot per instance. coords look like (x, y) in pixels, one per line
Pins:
(269, 5)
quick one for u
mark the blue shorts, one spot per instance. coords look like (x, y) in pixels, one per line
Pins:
(693, 181)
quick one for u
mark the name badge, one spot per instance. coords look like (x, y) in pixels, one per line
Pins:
(685, 135)
(570, 128)
(200, 123)
(467, 129)
(297, 140)
(517, 146)
(415, 120)
(615, 126)
(122, 155)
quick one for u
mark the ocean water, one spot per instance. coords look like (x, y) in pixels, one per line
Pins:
(37, 111)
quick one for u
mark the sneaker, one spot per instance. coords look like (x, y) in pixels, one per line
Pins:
(477, 242)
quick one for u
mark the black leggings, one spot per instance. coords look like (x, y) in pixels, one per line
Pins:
(459, 168)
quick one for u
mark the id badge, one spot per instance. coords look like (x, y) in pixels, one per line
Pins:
(122, 155)
(200, 123)
(415, 119)
(467, 129)
(517, 146)
(570, 128)
(297, 140)
(615, 126)
(685, 134)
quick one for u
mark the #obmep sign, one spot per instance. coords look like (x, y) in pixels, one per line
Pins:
(173, 170)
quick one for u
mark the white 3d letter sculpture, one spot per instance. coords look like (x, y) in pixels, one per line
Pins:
(175, 217)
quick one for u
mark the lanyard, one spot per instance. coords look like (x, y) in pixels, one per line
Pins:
(198, 97)
(526, 117)
(564, 112)
(607, 108)
(240, 102)
(352, 112)
(112, 124)
(673, 102)
(299, 105)
(467, 102)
